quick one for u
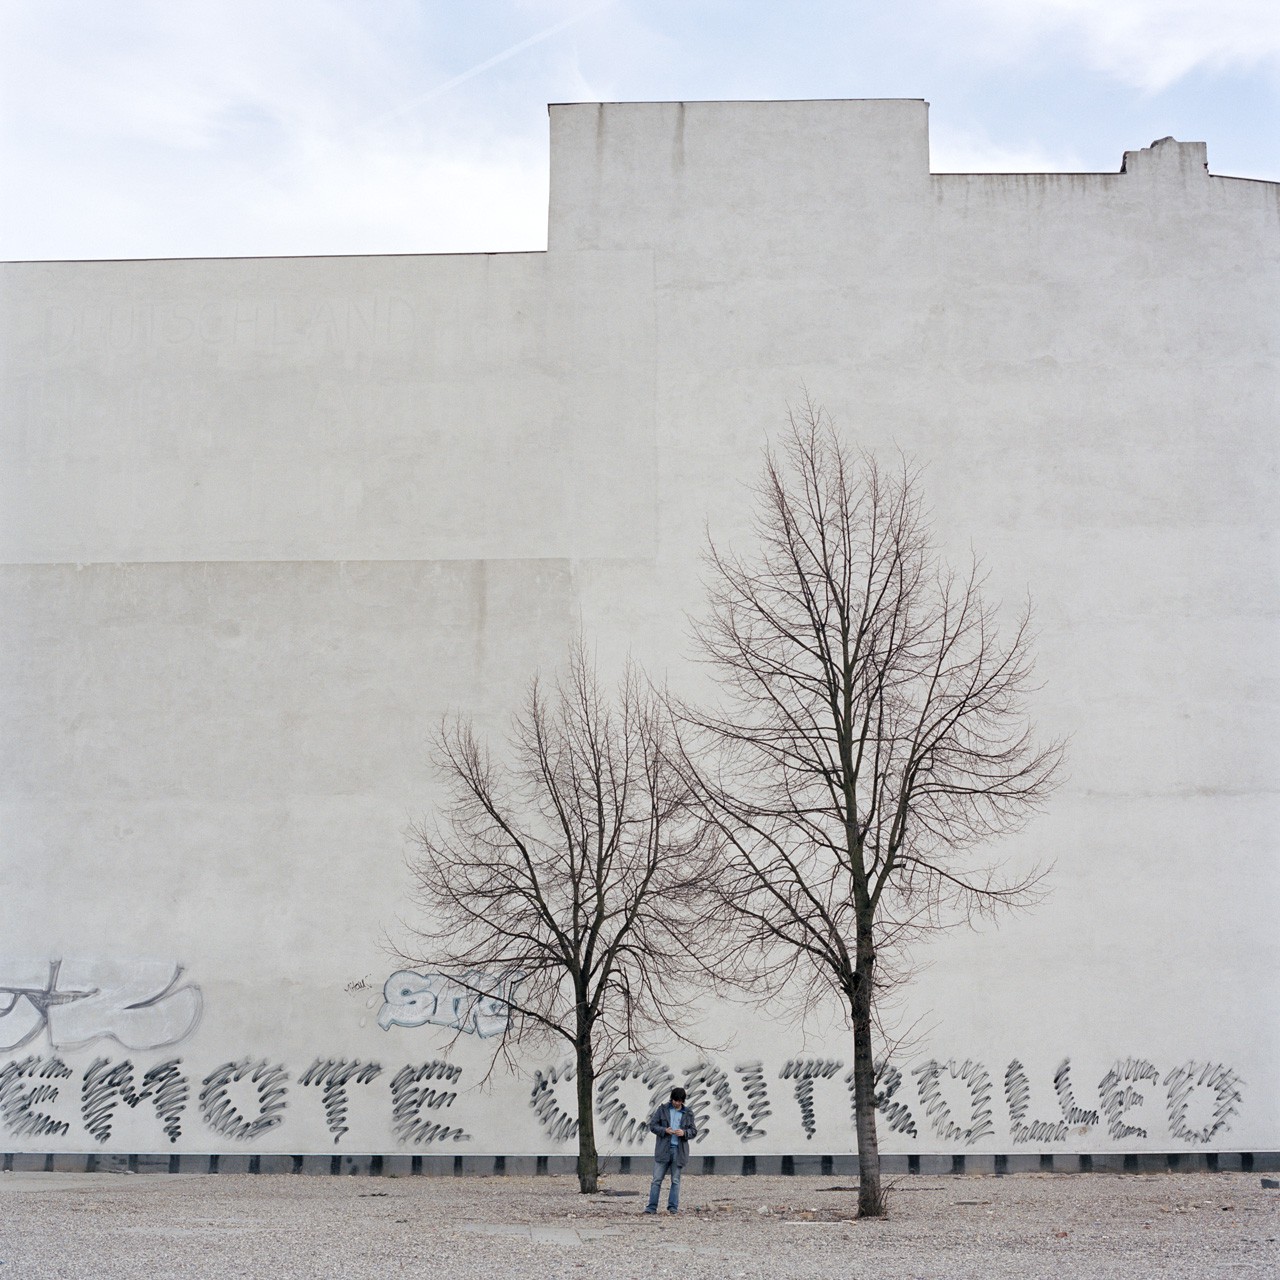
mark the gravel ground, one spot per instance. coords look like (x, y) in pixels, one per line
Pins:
(286, 1228)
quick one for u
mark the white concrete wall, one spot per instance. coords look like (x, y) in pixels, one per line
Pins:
(264, 521)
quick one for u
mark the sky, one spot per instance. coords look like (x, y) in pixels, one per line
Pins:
(193, 128)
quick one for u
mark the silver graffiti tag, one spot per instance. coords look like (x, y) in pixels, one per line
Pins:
(474, 1002)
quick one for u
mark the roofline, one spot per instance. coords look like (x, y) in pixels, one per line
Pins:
(1078, 173)
(277, 257)
(719, 102)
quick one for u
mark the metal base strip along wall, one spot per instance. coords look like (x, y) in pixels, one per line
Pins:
(402, 1166)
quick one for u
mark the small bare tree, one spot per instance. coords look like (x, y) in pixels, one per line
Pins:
(574, 875)
(873, 735)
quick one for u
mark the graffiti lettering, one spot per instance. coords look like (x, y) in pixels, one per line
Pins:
(18, 1103)
(409, 1097)
(24, 996)
(974, 1074)
(142, 1004)
(1072, 1114)
(1017, 1094)
(106, 1085)
(553, 1118)
(805, 1071)
(1181, 1081)
(474, 1003)
(245, 1099)
(1118, 1096)
(223, 1116)
(333, 1077)
(614, 1114)
(897, 1115)
(706, 1079)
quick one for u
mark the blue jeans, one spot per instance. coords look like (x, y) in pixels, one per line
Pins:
(661, 1167)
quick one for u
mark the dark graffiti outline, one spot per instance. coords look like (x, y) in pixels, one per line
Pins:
(17, 1105)
(897, 1114)
(804, 1071)
(106, 1085)
(333, 1075)
(1017, 1096)
(1073, 1115)
(976, 1077)
(1180, 1081)
(1118, 1096)
(27, 1084)
(705, 1080)
(553, 1118)
(224, 1117)
(409, 1096)
(614, 1116)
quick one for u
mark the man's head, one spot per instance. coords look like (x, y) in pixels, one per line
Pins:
(677, 1097)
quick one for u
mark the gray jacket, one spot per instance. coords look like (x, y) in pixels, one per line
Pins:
(660, 1122)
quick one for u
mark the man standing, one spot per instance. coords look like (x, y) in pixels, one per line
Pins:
(673, 1123)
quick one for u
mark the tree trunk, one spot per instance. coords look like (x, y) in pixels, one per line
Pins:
(588, 1161)
(870, 1198)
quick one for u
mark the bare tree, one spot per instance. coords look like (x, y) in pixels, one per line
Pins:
(872, 736)
(573, 876)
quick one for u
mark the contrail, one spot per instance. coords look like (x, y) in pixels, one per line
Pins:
(479, 68)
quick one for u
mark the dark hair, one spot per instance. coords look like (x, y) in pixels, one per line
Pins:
(677, 1094)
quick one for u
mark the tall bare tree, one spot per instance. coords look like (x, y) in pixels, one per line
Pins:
(572, 875)
(872, 738)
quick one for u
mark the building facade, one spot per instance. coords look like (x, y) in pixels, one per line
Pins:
(265, 521)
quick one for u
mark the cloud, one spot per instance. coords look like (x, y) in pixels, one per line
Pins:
(152, 72)
(1149, 44)
(209, 127)
(294, 126)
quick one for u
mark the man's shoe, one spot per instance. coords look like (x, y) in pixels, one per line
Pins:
(651, 1211)
(673, 1211)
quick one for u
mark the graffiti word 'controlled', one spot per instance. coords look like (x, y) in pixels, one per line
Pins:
(474, 1002)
